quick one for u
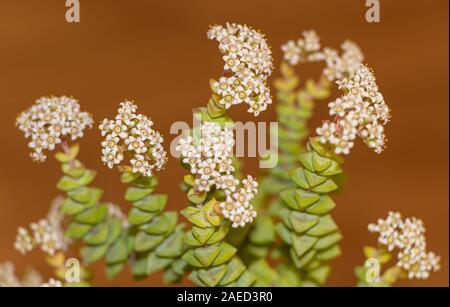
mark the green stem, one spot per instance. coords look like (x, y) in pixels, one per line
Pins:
(306, 224)
(156, 236)
(213, 261)
(294, 108)
(103, 236)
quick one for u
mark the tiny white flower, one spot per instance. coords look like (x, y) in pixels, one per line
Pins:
(292, 52)
(51, 243)
(24, 242)
(327, 132)
(40, 230)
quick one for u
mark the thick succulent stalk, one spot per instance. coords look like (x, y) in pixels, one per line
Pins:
(103, 236)
(294, 108)
(213, 261)
(156, 234)
(152, 242)
(306, 224)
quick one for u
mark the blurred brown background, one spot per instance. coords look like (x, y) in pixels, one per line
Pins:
(156, 53)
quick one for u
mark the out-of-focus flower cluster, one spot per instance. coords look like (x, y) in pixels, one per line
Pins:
(209, 159)
(8, 277)
(361, 111)
(408, 237)
(343, 65)
(308, 49)
(131, 135)
(50, 121)
(305, 49)
(52, 283)
(46, 233)
(248, 64)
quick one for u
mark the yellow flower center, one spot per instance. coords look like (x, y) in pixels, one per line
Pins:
(229, 206)
(242, 198)
(229, 183)
(342, 143)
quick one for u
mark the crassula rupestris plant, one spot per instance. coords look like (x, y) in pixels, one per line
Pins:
(236, 231)
(219, 199)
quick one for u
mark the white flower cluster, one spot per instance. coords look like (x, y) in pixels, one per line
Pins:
(24, 241)
(237, 207)
(50, 238)
(131, 134)
(344, 65)
(50, 121)
(248, 64)
(209, 155)
(305, 49)
(48, 233)
(52, 283)
(8, 277)
(308, 49)
(210, 162)
(408, 236)
(361, 111)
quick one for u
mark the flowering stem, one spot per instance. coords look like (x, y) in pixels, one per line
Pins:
(294, 108)
(213, 261)
(216, 201)
(306, 225)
